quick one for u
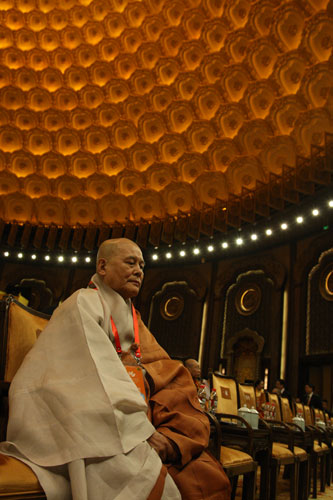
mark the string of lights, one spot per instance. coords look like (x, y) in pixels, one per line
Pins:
(216, 247)
(242, 239)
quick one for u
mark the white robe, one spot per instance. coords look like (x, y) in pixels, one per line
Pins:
(76, 418)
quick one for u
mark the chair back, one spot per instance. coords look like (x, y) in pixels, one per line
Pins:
(274, 399)
(226, 390)
(299, 410)
(286, 412)
(20, 327)
(308, 415)
(321, 415)
(247, 395)
(327, 418)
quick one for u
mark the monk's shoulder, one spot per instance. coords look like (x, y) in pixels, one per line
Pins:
(84, 299)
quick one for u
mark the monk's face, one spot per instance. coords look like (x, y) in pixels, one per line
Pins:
(123, 271)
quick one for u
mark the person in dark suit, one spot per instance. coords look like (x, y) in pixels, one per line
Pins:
(310, 398)
(325, 408)
(280, 385)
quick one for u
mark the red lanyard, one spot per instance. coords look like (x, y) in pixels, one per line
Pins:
(136, 335)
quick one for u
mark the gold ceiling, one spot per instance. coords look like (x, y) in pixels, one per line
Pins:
(120, 110)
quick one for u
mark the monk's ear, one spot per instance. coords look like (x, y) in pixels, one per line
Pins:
(101, 266)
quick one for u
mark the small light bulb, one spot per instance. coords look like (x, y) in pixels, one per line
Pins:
(269, 232)
(20, 255)
(47, 257)
(315, 212)
(61, 258)
(239, 241)
(330, 203)
(284, 226)
(225, 244)
(168, 255)
(299, 220)
(210, 248)
(254, 237)
(6, 254)
(196, 251)
(74, 259)
(182, 253)
(87, 259)
(155, 256)
(34, 256)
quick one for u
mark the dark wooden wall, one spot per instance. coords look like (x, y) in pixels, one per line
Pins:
(243, 294)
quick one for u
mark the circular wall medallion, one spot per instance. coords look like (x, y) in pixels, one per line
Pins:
(172, 306)
(248, 299)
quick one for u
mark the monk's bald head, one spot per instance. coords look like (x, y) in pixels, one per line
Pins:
(193, 367)
(111, 248)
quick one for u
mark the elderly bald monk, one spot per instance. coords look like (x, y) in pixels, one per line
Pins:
(99, 411)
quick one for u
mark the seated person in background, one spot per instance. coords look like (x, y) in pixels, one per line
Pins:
(194, 368)
(78, 420)
(282, 391)
(325, 407)
(310, 398)
(260, 394)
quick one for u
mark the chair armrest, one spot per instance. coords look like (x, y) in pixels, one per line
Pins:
(284, 428)
(235, 417)
(296, 427)
(263, 423)
(215, 435)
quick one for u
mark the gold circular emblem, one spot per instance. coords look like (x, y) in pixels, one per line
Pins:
(248, 299)
(172, 307)
(326, 283)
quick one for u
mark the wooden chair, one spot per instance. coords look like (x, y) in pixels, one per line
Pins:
(282, 451)
(19, 328)
(235, 463)
(227, 406)
(322, 442)
(301, 440)
(329, 431)
(262, 439)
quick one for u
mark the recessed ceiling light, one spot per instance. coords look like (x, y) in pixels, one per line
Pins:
(225, 244)
(284, 226)
(239, 241)
(254, 237)
(168, 255)
(155, 256)
(269, 232)
(315, 212)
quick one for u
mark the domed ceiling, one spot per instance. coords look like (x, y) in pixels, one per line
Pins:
(126, 111)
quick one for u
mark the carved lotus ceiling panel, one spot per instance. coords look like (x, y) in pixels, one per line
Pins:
(120, 110)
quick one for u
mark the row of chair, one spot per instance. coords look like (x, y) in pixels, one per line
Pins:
(276, 443)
